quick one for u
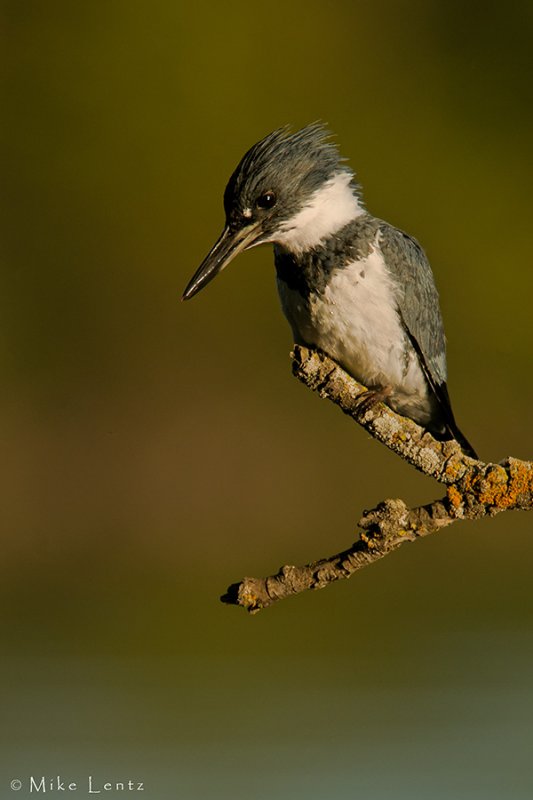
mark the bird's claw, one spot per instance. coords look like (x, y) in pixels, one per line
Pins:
(370, 399)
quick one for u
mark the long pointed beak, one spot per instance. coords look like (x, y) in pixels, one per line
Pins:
(229, 245)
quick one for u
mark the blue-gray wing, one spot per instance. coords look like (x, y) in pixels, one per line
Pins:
(418, 300)
(419, 309)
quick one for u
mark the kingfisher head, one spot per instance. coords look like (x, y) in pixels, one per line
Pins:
(292, 189)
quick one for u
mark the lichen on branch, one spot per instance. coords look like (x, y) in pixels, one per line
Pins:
(474, 489)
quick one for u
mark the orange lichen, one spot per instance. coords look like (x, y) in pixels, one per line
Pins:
(454, 496)
(521, 480)
(452, 470)
(496, 486)
(502, 488)
(492, 488)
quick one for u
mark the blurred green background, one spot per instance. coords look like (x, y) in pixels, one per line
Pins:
(155, 452)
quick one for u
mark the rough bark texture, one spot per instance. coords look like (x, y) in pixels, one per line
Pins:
(474, 489)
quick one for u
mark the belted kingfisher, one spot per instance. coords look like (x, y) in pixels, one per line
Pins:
(350, 284)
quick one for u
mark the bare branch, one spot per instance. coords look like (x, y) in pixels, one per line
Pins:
(474, 489)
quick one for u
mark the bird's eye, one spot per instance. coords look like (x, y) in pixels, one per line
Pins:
(267, 200)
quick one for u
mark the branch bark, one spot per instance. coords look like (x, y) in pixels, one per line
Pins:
(474, 489)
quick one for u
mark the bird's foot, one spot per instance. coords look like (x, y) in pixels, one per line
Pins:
(369, 399)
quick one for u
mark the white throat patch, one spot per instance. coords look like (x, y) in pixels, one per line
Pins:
(330, 208)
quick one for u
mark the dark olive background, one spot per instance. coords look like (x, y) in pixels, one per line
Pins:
(153, 452)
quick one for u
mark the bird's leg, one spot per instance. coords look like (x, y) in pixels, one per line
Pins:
(369, 399)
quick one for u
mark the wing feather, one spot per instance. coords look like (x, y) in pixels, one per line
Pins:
(419, 309)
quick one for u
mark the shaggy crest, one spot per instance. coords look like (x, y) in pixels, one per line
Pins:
(293, 165)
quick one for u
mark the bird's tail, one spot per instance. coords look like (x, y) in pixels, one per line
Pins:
(450, 429)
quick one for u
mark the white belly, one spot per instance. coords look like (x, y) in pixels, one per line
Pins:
(355, 321)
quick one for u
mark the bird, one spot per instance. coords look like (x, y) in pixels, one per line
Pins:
(350, 284)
